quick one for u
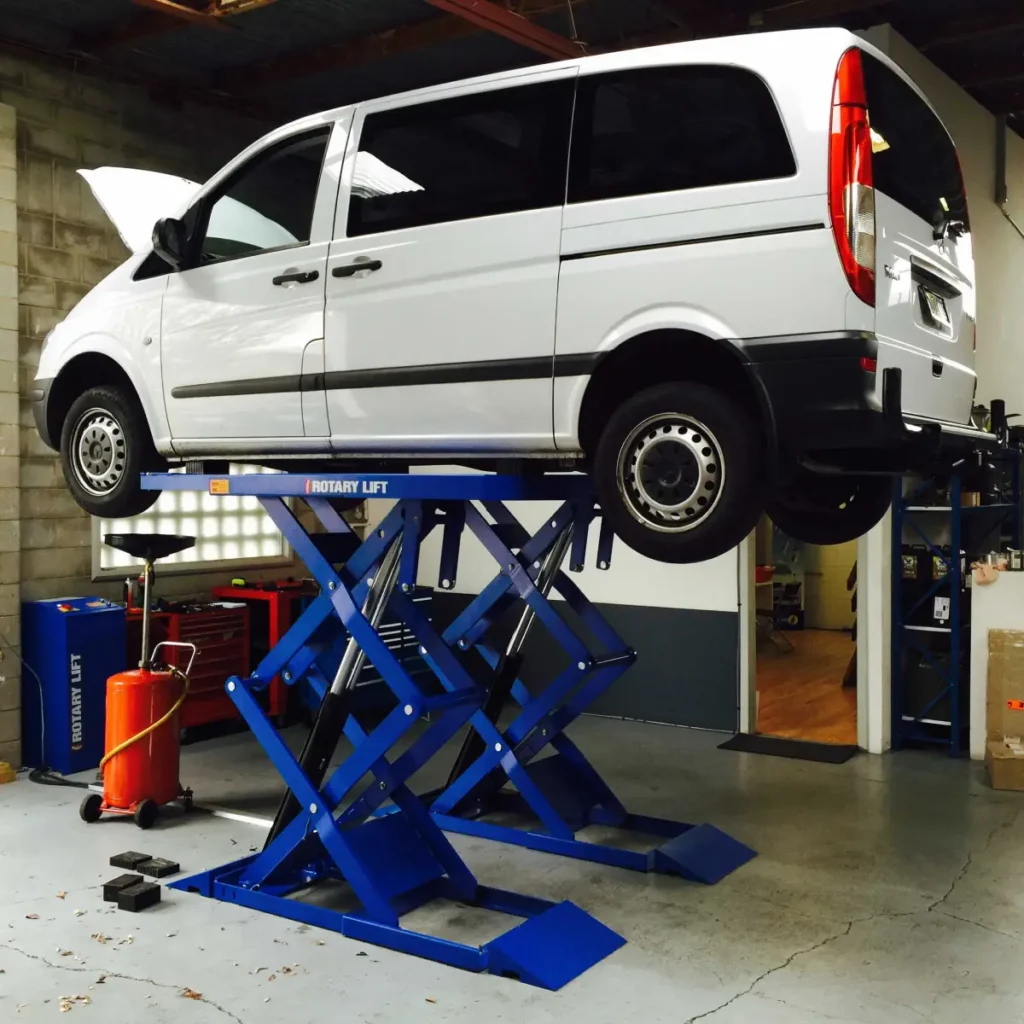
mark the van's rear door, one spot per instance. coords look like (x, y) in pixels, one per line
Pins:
(925, 299)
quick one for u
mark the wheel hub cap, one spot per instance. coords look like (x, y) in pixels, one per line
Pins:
(670, 472)
(98, 452)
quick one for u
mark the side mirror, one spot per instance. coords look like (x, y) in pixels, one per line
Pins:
(169, 241)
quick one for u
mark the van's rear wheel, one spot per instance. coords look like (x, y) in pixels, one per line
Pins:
(679, 471)
(819, 509)
(104, 445)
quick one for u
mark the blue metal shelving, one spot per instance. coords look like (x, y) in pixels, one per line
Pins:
(940, 716)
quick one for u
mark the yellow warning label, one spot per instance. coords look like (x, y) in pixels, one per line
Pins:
(220, 486)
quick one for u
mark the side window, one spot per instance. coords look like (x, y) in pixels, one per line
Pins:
(268, 203)
(665, 129)
(471, 156)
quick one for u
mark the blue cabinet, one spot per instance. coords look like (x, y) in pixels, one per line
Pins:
(72, 645)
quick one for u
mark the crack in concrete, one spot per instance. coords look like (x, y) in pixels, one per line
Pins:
(961, 874)
(889, 915)
(805, 1009)
(978, 924)
(772, 970)
(117, 974)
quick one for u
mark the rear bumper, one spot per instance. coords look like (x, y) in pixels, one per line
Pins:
(39, 396)
(821, 398)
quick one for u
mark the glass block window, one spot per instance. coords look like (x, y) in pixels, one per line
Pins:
(229, 530)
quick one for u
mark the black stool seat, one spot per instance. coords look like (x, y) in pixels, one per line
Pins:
(148, 546)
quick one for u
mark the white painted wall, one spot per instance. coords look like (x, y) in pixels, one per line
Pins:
(631, 580)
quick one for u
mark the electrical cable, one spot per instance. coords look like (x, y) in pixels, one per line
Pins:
(42, 774)
(45, 777)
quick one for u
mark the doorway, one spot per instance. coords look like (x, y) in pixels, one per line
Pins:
(805, 638)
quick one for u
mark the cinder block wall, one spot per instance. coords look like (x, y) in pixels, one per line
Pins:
(56, 243)
(10, 515)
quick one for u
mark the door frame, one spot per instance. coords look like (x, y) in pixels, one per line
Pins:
(874, 638)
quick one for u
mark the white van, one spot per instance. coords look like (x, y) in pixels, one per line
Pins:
(723, 276)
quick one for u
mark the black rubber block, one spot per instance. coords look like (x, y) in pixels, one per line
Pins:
(112, 888)
(129, 860)
(138, 897)
(157, 867)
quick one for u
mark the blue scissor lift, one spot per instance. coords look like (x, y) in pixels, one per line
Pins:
(386, 843)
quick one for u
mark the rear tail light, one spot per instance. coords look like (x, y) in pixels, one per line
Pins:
(851, 195)
(868, 365)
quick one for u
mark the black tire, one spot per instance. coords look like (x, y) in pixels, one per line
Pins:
(89, 809)
(679, 472)
(825, 510)
(145, 814)
(104, 445)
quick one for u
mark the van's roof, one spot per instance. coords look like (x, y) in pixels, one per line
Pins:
(723, 49)
(791, 47)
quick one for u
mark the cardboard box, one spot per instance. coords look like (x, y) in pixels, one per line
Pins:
(1004, 767)
(1004, 720)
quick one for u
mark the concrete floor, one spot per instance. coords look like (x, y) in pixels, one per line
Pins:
(886, 890)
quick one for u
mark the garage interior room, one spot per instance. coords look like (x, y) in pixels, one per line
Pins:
(511, 507)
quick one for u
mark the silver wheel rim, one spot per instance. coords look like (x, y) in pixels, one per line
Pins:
(671, 472)
(99, 452)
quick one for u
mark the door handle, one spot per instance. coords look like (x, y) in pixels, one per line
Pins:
(297, 277)
(353, 268)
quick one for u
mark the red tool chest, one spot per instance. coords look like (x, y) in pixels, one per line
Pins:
(222, 638)
(271, 613)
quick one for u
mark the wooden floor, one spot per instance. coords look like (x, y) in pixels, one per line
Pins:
(800, 695)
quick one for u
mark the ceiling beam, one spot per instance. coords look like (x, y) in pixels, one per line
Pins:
(966, 29)
(503, 22)
(189, 15)
(337, 56)
(162, 16)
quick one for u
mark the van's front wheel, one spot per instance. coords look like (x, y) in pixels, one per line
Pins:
(105, 445)
(679, 471)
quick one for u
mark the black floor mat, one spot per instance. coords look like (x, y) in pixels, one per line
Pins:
(751, 743)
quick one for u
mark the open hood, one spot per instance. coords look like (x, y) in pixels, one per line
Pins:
(135, 200)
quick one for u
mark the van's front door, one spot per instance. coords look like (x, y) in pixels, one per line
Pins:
(925, 301)
(239, 321)
(443, 273)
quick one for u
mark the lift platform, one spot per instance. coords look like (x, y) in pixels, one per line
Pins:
(388, 845)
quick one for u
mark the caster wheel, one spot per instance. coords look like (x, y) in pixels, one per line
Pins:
(187, 800)
(89, 809)
(146, 813)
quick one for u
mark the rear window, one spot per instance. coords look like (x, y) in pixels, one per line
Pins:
(914, 158)
(665, 129)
